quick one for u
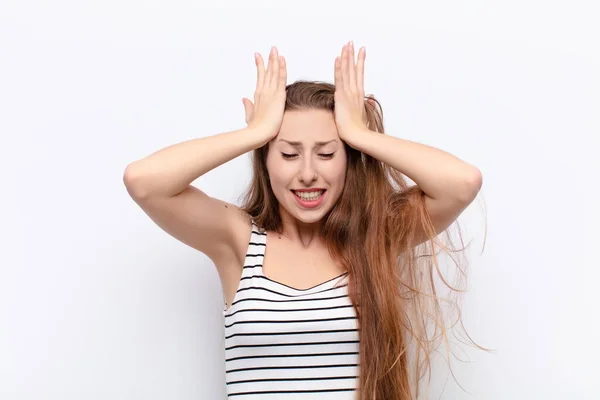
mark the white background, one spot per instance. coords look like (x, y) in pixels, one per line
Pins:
(96, 302)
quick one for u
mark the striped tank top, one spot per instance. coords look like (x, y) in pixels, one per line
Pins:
(287, 343)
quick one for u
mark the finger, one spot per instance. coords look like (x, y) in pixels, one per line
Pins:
(360, 72)
(351, 68)
(275, 70)
(344, 69)
(260, 71)
(269, 72)
(337, 73)
(248, 109)
(282, 73)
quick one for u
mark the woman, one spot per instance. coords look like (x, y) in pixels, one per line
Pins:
(344, 284)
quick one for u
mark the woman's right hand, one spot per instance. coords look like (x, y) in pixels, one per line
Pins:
(266, 114)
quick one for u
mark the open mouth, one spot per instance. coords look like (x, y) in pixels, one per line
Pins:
(309, 196)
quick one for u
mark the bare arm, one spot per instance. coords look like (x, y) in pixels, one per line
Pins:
(449, 184)
(171, 170)
(161, 182)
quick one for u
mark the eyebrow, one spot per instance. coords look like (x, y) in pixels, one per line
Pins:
(299, 144)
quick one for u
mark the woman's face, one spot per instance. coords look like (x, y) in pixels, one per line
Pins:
(307, 156)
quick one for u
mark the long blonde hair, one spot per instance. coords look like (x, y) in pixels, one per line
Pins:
(371, 230)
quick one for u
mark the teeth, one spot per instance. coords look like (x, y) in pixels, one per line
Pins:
(309, 195)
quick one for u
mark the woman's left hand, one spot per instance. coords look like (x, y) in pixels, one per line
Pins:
(350, 112)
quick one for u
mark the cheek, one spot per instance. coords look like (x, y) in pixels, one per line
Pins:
(280, 172)
(277, 183)
(338, 173)
(280, 179)
(274, 170)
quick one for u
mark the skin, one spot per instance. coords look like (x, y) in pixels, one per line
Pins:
(309, 167)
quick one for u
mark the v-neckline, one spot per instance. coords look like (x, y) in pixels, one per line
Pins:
(262, 272)
(300, 290)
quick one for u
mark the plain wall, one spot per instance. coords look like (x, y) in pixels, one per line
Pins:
(96, 302)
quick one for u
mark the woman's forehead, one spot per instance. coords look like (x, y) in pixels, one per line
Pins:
(308, 127)
(307, 143)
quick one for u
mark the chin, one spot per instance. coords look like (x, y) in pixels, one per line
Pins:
(305, 216)
(309, 219)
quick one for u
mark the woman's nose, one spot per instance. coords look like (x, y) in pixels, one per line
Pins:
(308, 173)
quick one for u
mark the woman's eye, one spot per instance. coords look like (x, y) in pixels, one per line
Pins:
(289, 156)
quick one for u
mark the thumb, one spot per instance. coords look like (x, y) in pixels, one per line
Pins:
(248, 109)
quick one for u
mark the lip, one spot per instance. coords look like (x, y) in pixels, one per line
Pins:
(309, 203)
(308, 190)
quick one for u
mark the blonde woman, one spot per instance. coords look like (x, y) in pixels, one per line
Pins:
(326, 292)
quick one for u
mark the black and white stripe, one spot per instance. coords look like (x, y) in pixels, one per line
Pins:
(287, 343)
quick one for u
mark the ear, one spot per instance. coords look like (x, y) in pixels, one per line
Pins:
(248, 109)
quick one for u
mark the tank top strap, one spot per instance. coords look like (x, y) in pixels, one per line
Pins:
(255, 253)
(253, 260)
